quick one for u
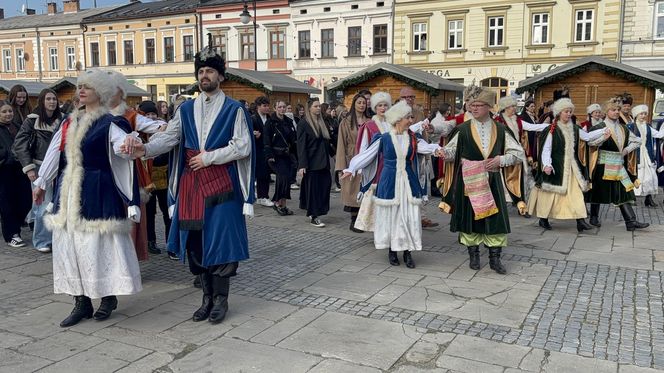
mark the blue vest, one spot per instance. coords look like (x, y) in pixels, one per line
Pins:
(651, 144)
(224, 230)
(386, 185)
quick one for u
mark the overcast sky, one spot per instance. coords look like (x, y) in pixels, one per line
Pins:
(13, 7)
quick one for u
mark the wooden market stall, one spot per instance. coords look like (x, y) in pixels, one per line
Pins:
(594, 80)
(33, 88)
(66, 89)
(430, 90)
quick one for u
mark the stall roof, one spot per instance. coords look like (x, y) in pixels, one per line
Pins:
(33, 87)
(416, 78)
(266, 81)
(132, 91)
(647, 78)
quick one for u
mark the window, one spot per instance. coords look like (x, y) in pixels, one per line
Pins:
(150, 51)
(455, 34)
(219, 42)
(419, 37)
(277, 43)
(176, 89)
(94, 54)
(71, 58)
(20, 60)
(247, 51)
(188, 45)
(496, 31)
(53, 58)
(355, 41)
(169, 49)
(129, 52)
(111, 55)
(152, 89)
(659, 20)
(584, 25)
(327, 42)
(380, 39)
(7, 59)
(304, 44)
(540, 28)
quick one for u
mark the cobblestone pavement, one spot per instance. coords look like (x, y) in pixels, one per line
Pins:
(324, 300)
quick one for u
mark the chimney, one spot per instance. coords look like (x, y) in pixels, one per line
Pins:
(71, 6)
(2, 13)
(52, 8)
(30, 12)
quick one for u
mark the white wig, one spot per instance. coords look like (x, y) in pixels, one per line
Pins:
(397, 112)
(379, 97)
(638, 109)
(101, 81)
(562, 104)
(120, 82)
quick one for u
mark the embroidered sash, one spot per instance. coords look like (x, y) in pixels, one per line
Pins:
(614, 168)
(206, 187)
(477, 188)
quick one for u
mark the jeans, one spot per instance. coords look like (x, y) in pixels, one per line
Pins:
(41, 236)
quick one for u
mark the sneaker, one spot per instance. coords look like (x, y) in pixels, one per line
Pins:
(16, 241)
(265, 202)
(294, 186)
(337, 189)
(44, 249)
(317, 223)
(173, 256)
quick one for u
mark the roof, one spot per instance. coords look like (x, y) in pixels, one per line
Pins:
(145, 10)
(47, 20)
(272, 82)
(132, 91)
(414, 77)
(646, 78)
(33, 87)
(206, 3)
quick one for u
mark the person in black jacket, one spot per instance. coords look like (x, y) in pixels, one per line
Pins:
(262, 170)
(313, 150)
(15, 196)
(280, 150)
(30, 147)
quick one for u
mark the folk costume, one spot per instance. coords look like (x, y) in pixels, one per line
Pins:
(93, 254)
(613, 171)
(208, 205)
(559, 195)
(626, 116)
(590, 122)
(474, 196)
(648, 157)
(399, 192)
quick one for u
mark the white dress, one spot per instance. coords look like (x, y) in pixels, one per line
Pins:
(95, 258)
(647, 169)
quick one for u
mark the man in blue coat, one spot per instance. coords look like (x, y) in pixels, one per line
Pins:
(211, 186)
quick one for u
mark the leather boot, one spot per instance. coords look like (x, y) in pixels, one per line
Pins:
(630, 218)
(152, 248)
(474, 254)
(108, 304)
(353, 218)
(392, 256)
(408, 259)
(650, 202)
(82, 310)
(594, 215)
(204, 311)
(197, 282)
(220, 288)
(581, 225)
(494, 260)
(544, 223)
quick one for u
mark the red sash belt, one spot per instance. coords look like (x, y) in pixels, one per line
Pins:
(206, 187)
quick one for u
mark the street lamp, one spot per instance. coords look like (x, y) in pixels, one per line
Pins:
(245, 17)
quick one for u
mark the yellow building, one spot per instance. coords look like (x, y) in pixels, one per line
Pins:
(153, 44)
(497, 44)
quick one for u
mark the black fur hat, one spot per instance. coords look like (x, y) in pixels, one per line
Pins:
(209, 57)
(560, 93)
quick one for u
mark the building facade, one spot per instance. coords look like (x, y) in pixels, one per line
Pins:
(152, 44)
(643, 35)
(44, 47)
(500, 43)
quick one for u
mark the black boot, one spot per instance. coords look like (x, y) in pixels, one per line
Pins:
(474, 254)
(152, 248)
(408, 259)
(220, 288)
(108, 304)
(630, 218)
(544, 223)
(650, 202)
(204, 312)
(594, 215)
(82, 310)
(494, 260)
(353, 218)
(197, 282)
(581, 225)
(392, 256)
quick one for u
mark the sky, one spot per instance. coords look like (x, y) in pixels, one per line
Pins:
(13, 7)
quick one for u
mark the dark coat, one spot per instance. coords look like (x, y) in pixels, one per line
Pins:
(32, 141)
(313, 152)
(262, 171)
(6, 142)
(279, 138)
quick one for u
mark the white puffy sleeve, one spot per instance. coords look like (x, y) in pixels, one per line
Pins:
(364, 158)
(49, 167)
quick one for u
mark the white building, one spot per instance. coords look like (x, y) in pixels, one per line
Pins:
(643, 35)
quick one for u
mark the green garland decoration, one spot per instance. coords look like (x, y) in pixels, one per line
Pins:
(592, 67)
(193, 88)
(380, 72)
